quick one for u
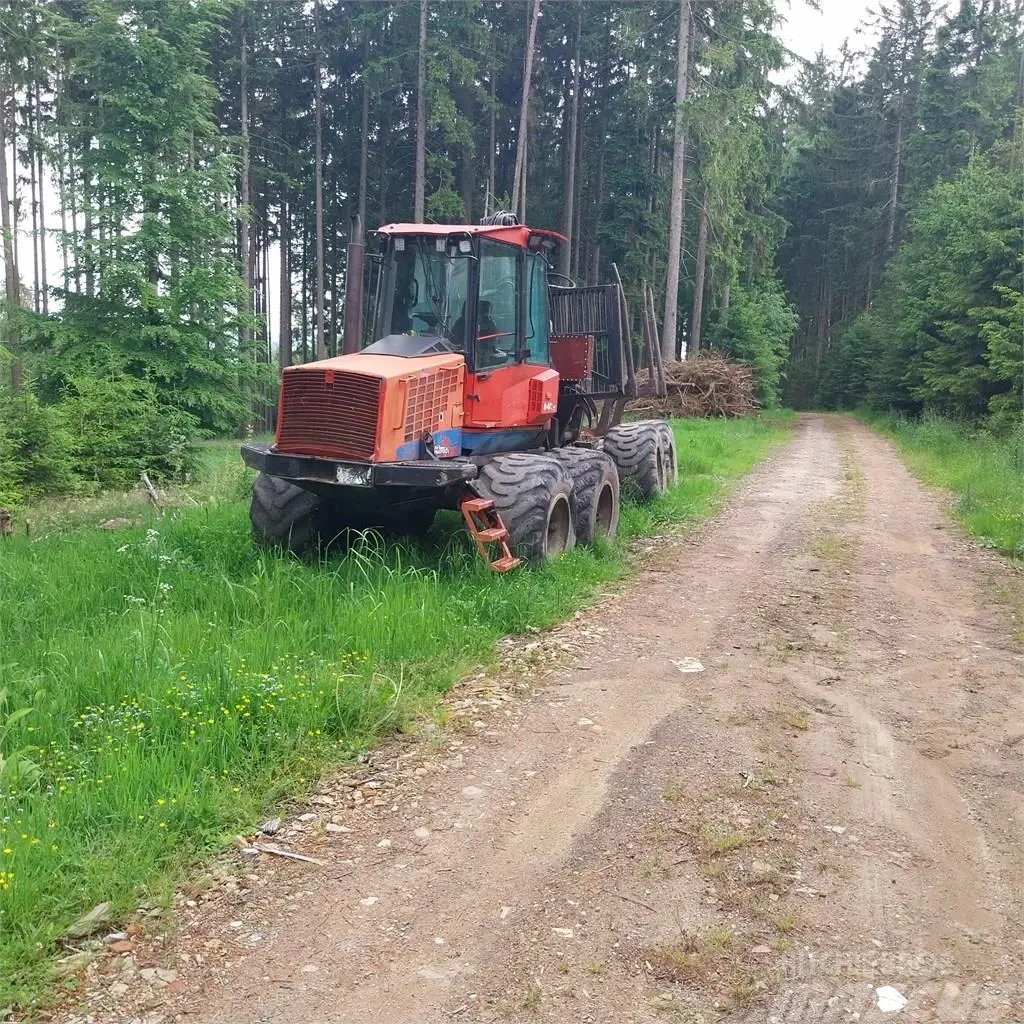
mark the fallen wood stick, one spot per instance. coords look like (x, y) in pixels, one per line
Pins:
(153, 496)
(629, 899)
(276, 852)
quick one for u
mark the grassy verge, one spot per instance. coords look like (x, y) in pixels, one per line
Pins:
(984, 470)
(178, 682)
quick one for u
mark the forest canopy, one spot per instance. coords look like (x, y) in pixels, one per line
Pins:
(173, 171)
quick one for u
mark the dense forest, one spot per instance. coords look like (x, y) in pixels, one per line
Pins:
(172, 172)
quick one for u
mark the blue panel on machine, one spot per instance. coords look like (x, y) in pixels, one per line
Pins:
(490, 442)
(447, 444)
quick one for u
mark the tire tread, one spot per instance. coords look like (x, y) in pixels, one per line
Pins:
(523, 486)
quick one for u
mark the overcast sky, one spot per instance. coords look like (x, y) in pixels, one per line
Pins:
(807, 31)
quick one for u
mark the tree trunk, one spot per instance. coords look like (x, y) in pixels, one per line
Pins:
(334, 335)
(364, 140)
(595, 252)
(577, 229)
(526, 163)
(824, 314)
(13, 285)
(284, 339)
(244, 333)
(669, 336)
(1017, 121)
(318, 173)
(466, 99)
(76, 236)
(491, 198)
(63, 187)
(268, 354)
(383, 141)
(419, 188)
(519, 175)
(42, 208)
(33, 192)
(304, 307)
(699, 274)
(565, 256)
(89, 203)
(894, 185)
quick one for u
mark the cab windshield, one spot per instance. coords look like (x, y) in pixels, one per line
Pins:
(423, 292)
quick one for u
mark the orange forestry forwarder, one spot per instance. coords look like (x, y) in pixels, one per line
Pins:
(483, 370)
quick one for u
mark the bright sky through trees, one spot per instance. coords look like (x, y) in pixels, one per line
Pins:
(807, 31)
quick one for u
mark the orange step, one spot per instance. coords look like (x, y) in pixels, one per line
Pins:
(504, 564)
(484, 525)
(492, 534)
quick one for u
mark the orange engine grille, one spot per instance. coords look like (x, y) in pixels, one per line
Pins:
(329, 412)
(428, 401)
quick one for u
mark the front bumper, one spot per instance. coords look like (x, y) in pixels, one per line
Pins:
(422, 474)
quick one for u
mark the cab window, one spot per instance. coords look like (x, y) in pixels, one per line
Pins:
(498, 305)
(427, 291)
(537, 320)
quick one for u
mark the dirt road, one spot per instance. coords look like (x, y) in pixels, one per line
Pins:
(835, 803)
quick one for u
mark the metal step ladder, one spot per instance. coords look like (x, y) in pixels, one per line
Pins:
(486, 528)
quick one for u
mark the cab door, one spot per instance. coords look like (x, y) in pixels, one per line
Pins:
(511, 384)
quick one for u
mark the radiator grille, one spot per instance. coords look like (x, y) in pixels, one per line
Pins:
(329, 412)
(428, 401)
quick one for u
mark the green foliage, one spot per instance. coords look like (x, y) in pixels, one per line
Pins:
(757, 330)
(120, 429)
(153, 280)
(984, 467)
(848, 371)
(191, 682)
(19, 772)
(968, 94)
(35, 450)
(939, 91)
(103, 431)
(945, 332)
(1003, 331)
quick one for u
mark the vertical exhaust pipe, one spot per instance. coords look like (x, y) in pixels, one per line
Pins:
(354, 288)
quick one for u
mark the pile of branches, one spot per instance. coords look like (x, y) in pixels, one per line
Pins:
(706, 385)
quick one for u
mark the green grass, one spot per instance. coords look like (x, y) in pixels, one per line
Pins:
(222, 476)
(984, 470)
(182, 683)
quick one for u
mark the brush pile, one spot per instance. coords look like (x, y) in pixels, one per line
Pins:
(704, 386)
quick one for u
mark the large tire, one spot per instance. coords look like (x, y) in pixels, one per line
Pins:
(595, 492)
(533, 495)
(641, 454)
(671, 456)
(285, 516)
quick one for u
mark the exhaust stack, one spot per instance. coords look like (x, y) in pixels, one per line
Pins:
(354, 288)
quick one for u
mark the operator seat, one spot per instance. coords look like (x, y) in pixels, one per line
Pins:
(487, 351)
